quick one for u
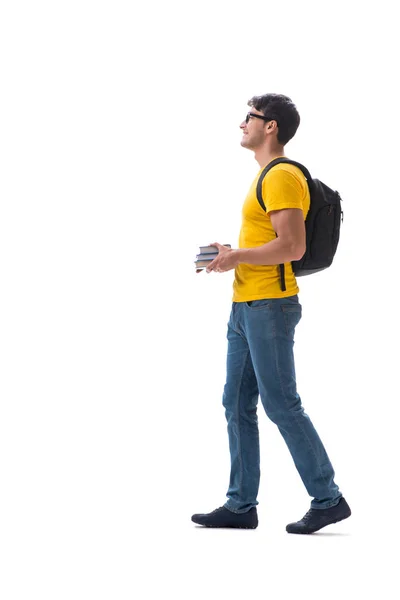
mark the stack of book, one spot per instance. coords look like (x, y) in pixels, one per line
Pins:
(206, 255)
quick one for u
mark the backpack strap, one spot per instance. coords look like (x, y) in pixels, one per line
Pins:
(272, 164)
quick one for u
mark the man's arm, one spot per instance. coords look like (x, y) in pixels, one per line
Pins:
(290, 244)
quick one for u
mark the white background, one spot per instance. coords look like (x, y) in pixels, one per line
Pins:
(120, 155)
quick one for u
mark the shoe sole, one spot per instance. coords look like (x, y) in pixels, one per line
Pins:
(226, 526)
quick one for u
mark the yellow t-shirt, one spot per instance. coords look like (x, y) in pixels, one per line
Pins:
(284, 186)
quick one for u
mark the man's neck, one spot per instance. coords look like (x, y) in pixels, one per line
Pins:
(264, 155)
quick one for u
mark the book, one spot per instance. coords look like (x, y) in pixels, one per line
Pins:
(206, 255)
(202, 264)
(211, 249)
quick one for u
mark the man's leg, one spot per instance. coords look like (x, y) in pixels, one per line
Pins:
(269, 327)
(240, 400)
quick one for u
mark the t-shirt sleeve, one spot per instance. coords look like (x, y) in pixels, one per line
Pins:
(282, 189)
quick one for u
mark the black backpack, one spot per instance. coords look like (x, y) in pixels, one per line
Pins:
(322, 223)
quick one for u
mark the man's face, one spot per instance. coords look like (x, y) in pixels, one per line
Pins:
(253, 131)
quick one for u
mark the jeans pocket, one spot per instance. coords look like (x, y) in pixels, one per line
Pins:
(291, 317)
(258, 304)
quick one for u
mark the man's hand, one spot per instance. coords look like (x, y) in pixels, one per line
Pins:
(226, 260)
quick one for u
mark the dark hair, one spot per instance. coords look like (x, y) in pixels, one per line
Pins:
(281, 109)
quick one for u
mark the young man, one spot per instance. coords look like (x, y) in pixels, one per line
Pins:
(261, 329)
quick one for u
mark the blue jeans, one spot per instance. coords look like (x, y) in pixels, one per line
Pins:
(260, 362)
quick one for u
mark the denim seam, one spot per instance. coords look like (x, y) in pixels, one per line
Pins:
(238, 418)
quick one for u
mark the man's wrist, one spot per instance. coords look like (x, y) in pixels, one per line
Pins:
(241, 255)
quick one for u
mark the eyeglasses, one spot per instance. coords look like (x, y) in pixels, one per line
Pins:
(250, 115)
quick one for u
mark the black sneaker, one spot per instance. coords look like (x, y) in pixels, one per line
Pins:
(317, 518)
(222, 517)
